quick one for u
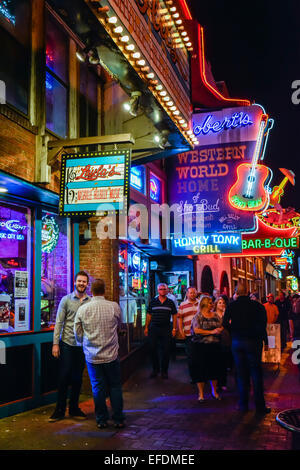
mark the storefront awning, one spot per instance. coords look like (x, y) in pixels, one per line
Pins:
(17, 187)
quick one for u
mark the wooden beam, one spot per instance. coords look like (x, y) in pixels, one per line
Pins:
(97, 140)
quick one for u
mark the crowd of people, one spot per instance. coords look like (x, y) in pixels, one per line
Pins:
(219, 334)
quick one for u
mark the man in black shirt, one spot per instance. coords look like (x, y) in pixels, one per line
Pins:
(246, 320)
(158, 328)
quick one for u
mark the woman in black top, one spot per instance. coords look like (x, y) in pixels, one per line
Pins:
(206, 329)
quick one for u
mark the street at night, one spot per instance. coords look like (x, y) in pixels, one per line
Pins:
(149, 228)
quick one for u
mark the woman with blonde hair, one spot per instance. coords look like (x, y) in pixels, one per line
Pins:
(206, 329)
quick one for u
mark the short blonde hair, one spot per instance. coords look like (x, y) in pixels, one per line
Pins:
(204, 301)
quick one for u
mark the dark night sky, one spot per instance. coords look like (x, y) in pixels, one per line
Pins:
(255, 48)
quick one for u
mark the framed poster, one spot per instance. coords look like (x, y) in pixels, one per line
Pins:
(93, 182)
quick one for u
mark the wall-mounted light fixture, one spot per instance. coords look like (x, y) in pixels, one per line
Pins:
(133, 105)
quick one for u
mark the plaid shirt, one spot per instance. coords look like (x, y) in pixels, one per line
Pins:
(96, 328)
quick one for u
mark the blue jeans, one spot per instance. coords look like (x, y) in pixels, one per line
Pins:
(107, 377)
(247, 358)
(71, 365)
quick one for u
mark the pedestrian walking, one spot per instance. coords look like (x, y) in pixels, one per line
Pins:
(271, 309)
(206, 329)
(66, 350)
(96, 328)
(186, 312)
(160, 330)
(284, 307)
(246, 320)
(225, 341)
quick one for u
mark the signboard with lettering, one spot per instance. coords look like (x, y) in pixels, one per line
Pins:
(94, 182)
(155, 37)
(210, 243)
(268, 241)
(273, 354)
(201, 178)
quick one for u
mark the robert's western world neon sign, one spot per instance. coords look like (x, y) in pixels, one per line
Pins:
(234, 121)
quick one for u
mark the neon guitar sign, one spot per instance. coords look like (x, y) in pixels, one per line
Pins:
(248, 192)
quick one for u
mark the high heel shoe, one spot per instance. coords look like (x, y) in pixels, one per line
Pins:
(201, 400)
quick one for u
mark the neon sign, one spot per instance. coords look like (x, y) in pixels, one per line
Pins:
(236, 120)
(50, 234)
(293, 282)
(248, 192)
(137, 178)
(4, 11)
(270, 243)
(154, 188)
(14, 227)
(210, 243)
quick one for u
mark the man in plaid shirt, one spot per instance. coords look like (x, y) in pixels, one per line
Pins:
(96, 328)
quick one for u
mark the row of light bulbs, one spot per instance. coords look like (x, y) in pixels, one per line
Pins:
(159, 91)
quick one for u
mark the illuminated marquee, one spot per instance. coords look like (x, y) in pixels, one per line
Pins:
(94, 182)
(212, 243)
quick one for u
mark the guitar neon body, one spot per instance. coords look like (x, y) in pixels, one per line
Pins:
(248, 192)
(275, 197)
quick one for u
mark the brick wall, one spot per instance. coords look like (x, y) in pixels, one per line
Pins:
(17, 149)
(99, 258)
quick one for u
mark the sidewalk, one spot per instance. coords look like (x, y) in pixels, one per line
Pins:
(165, 415)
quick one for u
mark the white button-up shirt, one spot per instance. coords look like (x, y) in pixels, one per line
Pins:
(96, 328)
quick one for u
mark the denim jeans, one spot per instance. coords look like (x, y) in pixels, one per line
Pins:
(107, 377)
(71, 365)
(247, 358)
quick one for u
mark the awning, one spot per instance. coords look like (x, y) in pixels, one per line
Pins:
(17, 187)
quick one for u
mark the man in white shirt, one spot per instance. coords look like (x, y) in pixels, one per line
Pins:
(96, 328)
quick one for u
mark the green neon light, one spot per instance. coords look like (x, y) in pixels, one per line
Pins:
(270, 243)
(245, 204)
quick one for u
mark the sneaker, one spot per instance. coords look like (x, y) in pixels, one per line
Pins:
(56, 416)
(78, 414)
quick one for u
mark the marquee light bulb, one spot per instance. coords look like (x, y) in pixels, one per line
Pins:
(136, 55)
(173, 9)
(159, 87)
(150, 75)
(173, 108)
(178, 21)
(176, 113)
(163, 93)
(176, 15)
(141, 62)
(130, 47)
(125, 38)
(112, 19)
(118, 29)
(188, 44)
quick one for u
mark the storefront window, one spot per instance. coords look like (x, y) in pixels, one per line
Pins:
(55, 264)
(15, 57)
(15, 290)
(134, 291)
(56, 79)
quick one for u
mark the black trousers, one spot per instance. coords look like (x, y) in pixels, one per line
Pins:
(160, 345)
(71, 365)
